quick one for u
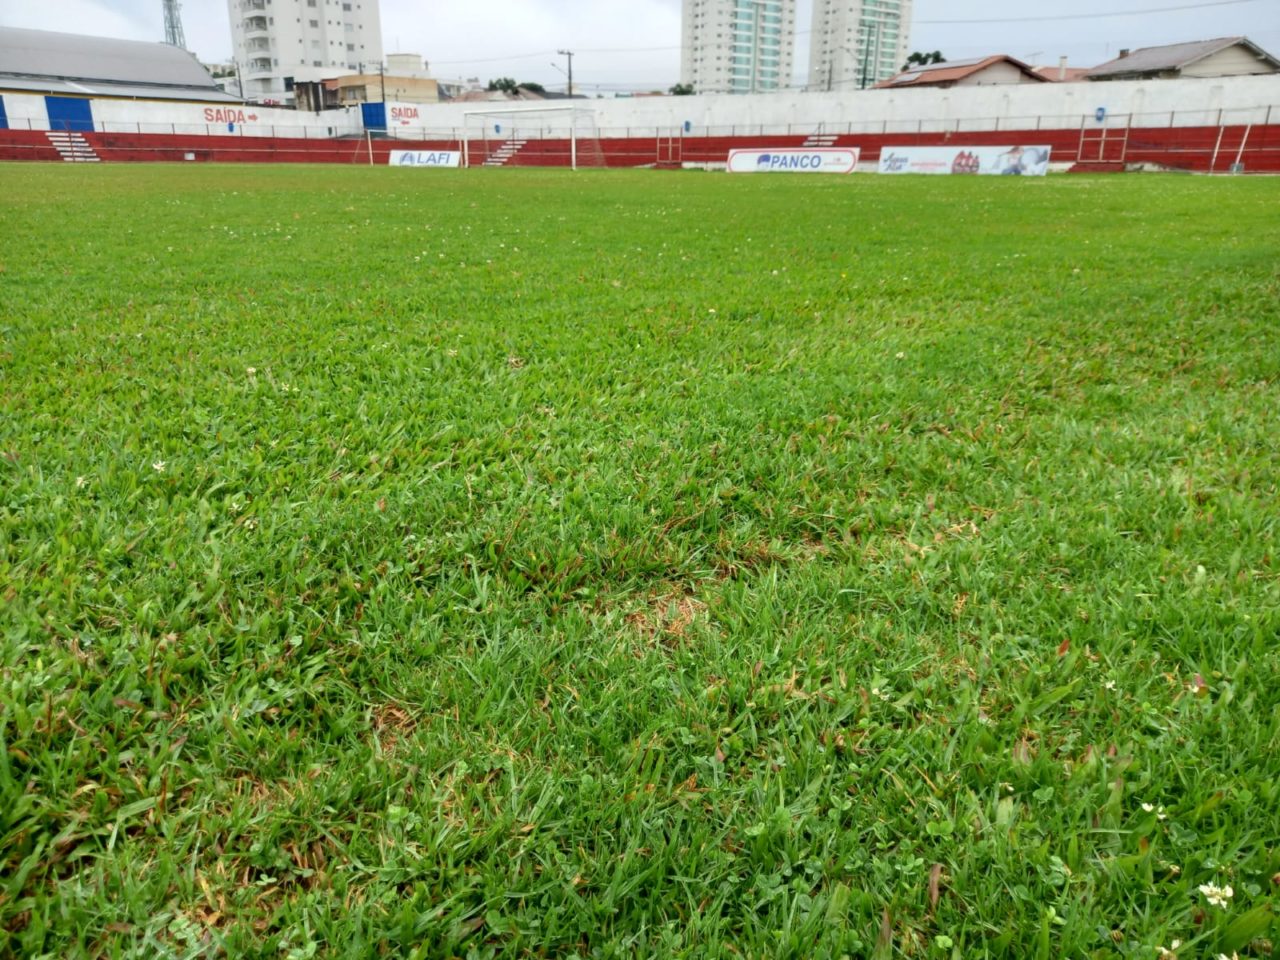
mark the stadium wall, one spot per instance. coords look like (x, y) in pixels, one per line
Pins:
(197, 119)
(1004, 107)
(1189, 124)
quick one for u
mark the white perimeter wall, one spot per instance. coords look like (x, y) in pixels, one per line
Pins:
(154, 116)
(1024, 107)
(1013, 107)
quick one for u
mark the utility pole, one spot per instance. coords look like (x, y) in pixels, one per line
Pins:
(569, 54)
(866, 61)
(382, 74)
(173, 34)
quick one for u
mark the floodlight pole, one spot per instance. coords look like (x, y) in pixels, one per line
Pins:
(569, 54)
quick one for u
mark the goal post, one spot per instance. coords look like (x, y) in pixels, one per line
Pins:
(516, 126)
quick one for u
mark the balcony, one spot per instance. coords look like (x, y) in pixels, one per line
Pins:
(255, 25)
(259, 65)
(253, 4)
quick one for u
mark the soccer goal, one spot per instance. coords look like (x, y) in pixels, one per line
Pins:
(532, 136)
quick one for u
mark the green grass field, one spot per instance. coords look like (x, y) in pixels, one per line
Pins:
(512, 563)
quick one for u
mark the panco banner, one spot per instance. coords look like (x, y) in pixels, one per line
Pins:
(794, 160)
(989, 161)
(425, 158)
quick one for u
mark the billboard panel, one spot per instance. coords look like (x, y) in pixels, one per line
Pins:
(425, 158)
(991, 161)
(793, 160)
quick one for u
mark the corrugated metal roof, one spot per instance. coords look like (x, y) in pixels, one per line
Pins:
(128, 91)
(62, 62)
(1175, 56)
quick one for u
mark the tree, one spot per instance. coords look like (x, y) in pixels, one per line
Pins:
(924, 59)
(533, 87)
(682, 90)
(505, 84)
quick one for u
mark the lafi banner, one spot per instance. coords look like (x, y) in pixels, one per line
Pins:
(989, 161)
(425, 158)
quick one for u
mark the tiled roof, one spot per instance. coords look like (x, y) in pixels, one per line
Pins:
(935, 74)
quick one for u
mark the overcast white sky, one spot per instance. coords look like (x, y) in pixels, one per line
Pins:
(635, 43)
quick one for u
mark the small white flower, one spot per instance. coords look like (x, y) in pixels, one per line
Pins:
(158, 466)
(81, 482)
(900, 356)
(1109, 685)
(1217, 896)
(1234, 956)
(250, 371)
(1170, 952)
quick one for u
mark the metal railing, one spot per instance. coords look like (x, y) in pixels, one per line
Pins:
(346, 123)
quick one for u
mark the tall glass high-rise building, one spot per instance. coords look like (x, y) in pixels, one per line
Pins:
(738, 46)
(857, 43)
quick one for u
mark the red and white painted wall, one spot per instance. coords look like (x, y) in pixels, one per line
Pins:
(1201, 124)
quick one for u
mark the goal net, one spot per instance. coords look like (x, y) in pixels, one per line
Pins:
(532, 137)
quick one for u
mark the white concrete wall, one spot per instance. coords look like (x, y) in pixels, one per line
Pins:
(1235, 61)
(125, 116)
(1155, 103)
(1000, 72)
(26, 112)
(152, 116)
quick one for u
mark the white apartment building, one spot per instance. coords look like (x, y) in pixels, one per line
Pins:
(280, 42)
(857, 43)
(738, 46)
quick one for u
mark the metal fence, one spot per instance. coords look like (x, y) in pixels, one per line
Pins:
(548, 128)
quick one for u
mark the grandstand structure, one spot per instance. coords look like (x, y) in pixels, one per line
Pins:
(77, 99)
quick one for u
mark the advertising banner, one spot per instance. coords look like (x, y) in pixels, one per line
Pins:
(425, 158)
(794, 160)
(991, 161)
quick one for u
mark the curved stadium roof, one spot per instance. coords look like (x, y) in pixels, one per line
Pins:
(40, 61)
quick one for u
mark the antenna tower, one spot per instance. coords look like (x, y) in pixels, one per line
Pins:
(173, 34)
